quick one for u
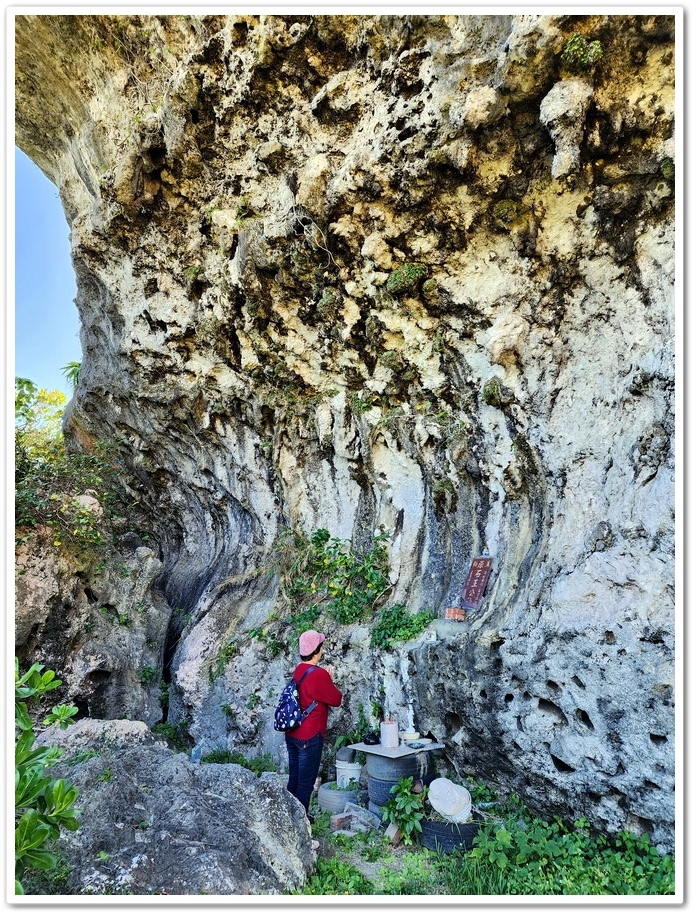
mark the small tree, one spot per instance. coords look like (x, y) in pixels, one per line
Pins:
(42, 805)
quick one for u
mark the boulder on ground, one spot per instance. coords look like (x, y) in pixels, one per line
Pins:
(152, 822)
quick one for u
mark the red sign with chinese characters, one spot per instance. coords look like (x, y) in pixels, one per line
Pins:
(476, 582)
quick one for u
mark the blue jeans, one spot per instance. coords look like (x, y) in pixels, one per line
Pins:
(304, 758)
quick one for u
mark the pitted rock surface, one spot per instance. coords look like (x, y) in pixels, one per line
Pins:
(152, 822)
(368, 272)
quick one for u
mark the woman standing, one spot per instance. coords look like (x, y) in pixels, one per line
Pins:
(305, 743)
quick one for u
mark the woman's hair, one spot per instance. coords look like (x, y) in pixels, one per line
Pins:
(306, 658)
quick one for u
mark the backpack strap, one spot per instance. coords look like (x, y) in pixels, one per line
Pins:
(314, 703)
(308, 671)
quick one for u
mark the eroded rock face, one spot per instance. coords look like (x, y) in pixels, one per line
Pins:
(152, 822)
(400, 272)
(102, 625)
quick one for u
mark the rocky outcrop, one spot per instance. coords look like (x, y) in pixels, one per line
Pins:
(152, 822)
(406, 273)
(102, 624)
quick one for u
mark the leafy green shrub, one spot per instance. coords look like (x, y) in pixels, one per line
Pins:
(51, 882)
(479, 791)
(274, 646)
(667, 169)
(397, 624)
(356, 735)
(220, 661)
(322, 574)
(537, 857)
(371, 845)
(406, 808)
(492, 393)
(351, 786)
(514, 854)
(43, 806)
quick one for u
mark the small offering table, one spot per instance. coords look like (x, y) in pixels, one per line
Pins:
(403, 750)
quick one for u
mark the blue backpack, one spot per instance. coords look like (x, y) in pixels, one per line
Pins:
(289, 713)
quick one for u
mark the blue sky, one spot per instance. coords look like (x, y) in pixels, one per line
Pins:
(46, 320)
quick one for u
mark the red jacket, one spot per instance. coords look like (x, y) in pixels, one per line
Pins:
(316, 686)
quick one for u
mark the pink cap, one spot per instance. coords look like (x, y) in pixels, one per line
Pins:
(310, 641)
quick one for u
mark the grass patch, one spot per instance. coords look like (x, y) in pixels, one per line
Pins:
(257, 765)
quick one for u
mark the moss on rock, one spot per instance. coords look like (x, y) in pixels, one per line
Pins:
(405, 278)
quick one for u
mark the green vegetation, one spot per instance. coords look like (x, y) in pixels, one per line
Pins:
(356, 735)
(329, 303)
(334, 876)
(220, 661)
(397, 624)
(392, 359)
(82, 756)
(667, 169)
(452, 428)
(324, 578)
(71, 371)
(580, 55)
(505, 212)
(176, 736)
(274, 646)
(148, 675)
(406, 808)
(537, 857)
(353, 785)
(257, 765)
(514, 853)
(359, 403)
(43, 806)
(115, 616)
(492, 392)
(322, 575)
(405, 278)
(51, 482)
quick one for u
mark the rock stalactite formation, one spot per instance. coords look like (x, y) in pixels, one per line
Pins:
(402, 273)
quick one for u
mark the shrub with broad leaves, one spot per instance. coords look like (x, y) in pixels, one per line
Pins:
(43, 806)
